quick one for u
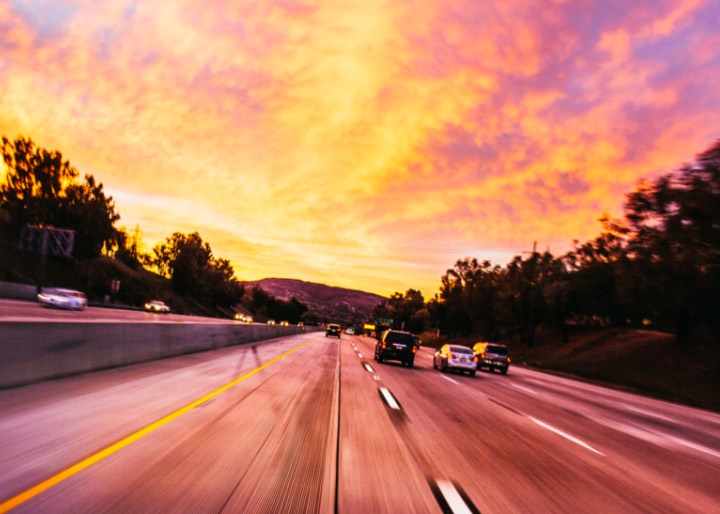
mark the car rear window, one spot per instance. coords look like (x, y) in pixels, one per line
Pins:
(397, 337)
(461, 349)
(497, 350)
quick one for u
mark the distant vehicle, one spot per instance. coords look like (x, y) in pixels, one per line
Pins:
(157, 306)
(62, 298)
(243, 318)
(271, 322)
(332, 330)
(350, 332)
(397, 345)
(301, 324)
(284, 324)
(455, 356)
(492, 356)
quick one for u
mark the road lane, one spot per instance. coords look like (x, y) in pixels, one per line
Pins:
(194, 458)
(327, 419)
(378, 471)
(33, 312)
(511, 450)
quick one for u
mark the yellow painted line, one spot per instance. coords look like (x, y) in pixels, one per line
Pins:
(86, 463)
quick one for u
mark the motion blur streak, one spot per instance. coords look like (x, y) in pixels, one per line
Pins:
(77, 468)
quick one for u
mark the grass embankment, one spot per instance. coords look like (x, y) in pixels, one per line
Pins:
(642, 361)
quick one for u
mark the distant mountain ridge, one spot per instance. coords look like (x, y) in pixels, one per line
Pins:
(329, 303)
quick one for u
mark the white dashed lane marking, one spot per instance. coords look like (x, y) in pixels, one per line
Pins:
(452, 498)
(389, 398)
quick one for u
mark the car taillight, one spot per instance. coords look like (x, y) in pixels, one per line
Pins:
(383, 346)
(509, 359)
(475, 359)
(414, 348)
(450, 356)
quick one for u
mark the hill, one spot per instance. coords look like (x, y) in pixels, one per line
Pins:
(328, 303)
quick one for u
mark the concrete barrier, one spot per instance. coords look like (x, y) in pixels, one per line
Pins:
(31, 352)
(17, 291)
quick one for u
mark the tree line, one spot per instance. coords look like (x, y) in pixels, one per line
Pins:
(42, 189)
(657, 267)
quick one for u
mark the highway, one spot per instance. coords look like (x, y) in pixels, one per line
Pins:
(313, 424)
(33, 312)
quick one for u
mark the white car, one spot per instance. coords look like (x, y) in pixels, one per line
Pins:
(157, 306)
(62, 298)
(455, 356)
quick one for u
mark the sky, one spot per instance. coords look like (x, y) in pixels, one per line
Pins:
(367, 144)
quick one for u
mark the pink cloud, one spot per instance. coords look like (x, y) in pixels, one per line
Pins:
(423, 130)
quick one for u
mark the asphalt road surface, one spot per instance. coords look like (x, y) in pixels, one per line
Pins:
(313, 424)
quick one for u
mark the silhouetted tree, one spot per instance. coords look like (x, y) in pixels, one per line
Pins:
(193, 270)
(40, 188)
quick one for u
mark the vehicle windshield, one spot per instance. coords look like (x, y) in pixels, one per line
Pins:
(497, 350)
(399, 337)
(460, 349)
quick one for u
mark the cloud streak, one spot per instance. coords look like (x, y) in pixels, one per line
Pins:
(367, 146)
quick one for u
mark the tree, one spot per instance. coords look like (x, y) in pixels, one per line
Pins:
(41, 189)
(672, 234)
(403, 309)
(189, 263)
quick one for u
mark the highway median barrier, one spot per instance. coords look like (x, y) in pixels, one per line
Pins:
(32, 352)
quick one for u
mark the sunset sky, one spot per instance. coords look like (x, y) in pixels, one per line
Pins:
(365, 144)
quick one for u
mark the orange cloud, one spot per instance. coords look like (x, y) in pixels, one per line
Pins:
(367, 145)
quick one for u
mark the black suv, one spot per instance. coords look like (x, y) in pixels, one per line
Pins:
(332, 330)
(397, 345)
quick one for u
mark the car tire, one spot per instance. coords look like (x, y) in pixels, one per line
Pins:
(443, 366)
(472, 373)
(504, 371)
(380, 358)
(434, 363)
(410, 363)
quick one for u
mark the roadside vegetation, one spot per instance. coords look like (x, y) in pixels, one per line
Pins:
(636, 306)
(41, 189)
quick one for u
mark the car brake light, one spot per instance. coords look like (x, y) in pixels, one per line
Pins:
(450, 356)
(475, 359)
(509, 359)
(383, 345)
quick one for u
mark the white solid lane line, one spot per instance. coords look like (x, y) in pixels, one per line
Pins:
(654, 437)
(450, 379)
(452, 497)
(648, 413)
(566, 436)
(389, 398)
(526, 389)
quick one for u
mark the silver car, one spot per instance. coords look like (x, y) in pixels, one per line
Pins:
(62, 298)
(455, 356)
